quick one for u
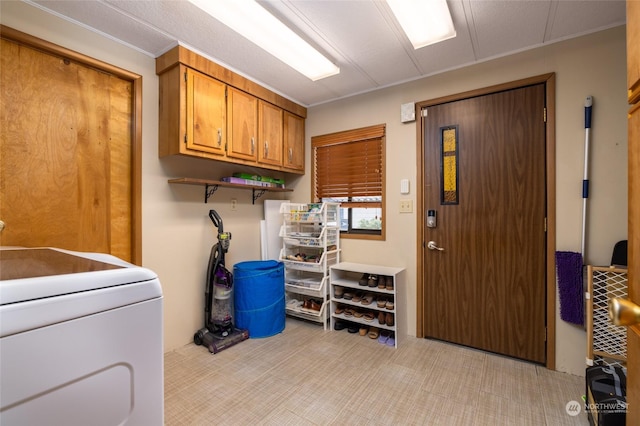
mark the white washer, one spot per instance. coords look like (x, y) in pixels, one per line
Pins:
(80, 340)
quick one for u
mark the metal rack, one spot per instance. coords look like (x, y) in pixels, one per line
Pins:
(310, 245)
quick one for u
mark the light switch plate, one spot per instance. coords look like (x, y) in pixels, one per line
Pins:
(406, 206)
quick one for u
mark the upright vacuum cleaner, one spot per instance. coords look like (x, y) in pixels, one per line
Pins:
(219, 331)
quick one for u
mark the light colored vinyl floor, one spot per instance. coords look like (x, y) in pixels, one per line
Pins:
(308, 376)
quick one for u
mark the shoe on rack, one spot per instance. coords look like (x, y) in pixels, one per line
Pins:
(374, 332)
(389, 284)
(389, 319)
(315, 305)
(367, 299)
(391, 341)
(373, 280)
(364, 280)
(382, 282)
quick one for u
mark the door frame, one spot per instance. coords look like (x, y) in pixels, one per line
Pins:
(550, 90)
(19, 37)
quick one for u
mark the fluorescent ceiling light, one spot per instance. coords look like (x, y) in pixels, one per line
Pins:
(424, 21)
(253, 22)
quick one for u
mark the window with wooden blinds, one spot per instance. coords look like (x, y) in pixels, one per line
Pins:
(348, 167)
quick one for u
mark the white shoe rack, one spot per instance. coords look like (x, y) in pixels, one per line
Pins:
(346, 277)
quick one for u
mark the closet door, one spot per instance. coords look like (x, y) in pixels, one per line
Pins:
(67, 153)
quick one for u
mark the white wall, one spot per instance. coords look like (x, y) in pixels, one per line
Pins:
(177, 233)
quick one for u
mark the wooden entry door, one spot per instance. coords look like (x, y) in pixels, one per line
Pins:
(69, 150)
(633, 332)
(486, 288)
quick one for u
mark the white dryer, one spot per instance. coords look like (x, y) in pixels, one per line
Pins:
(80, 340)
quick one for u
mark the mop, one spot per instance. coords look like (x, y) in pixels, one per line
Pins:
(585, 181)
(570, 264)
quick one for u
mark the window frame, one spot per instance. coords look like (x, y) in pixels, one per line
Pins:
(375, 132)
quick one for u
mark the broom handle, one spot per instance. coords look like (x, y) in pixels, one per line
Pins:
(585, 181)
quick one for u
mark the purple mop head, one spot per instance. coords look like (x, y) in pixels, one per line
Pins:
(569, 271)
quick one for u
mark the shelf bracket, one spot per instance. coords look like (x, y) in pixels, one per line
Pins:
(209, 190)
(260, 193)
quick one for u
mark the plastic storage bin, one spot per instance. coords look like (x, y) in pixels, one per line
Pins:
(259, 297)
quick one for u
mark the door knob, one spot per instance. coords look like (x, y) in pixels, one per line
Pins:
(431, 245)
(623, 312)
(1, 225)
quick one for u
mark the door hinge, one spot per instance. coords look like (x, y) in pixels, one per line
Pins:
(544, 113)
(424, 112)
(185, 76)
(185, 138)
(545, 334)
(545, 224)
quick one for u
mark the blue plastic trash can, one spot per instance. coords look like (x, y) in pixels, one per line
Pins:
(258, 288)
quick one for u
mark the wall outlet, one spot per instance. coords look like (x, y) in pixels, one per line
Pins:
(234, 204)
(406, 206)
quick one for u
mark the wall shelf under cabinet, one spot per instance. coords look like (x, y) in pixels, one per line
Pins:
(211, 186)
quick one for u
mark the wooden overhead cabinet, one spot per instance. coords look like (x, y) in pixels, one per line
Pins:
(293, 145)
(210, 112)
(192, 114)
(206, 113)
(242, 124)
(270, 135)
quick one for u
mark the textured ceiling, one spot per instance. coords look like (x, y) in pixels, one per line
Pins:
(361, 36)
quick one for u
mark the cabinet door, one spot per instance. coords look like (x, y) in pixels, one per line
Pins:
(242, 112)
(270, 131)
(293, 142)
(206, 113)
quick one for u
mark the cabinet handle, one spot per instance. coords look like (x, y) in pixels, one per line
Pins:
(290, 155)
(219, 137)
(253, 143)
(266, 149)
